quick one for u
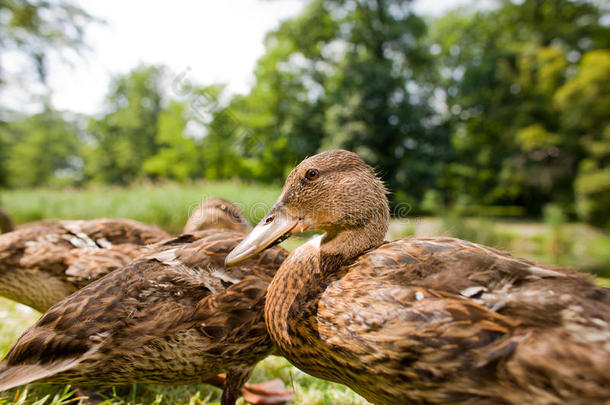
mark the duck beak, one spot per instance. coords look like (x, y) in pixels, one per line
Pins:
(277, 226)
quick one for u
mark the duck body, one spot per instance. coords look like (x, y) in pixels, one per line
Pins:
(44, 262)
(174, 317)
(398, 324)
(422, 320)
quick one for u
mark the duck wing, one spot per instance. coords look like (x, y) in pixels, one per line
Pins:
(17, 245)
(43, 245)
(535, 294)
(32, 265)
(410, 332)
(34, 258)
(116, 231)
(469, 321)
(86, 265)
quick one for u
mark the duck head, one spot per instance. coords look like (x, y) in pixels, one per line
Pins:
(217, 213)
(335, 192)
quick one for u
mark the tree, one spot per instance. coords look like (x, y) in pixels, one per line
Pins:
(126, 136)
(500, 70)
(342, 74)
(46, 150)
(34, 29)
(178, 157)
(280, 121)
(37, 28)
(584, 103)
(378, 97)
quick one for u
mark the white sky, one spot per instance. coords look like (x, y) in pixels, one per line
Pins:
(218, 41)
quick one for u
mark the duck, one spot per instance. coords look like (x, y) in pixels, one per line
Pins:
(421, 320)
(43, 262)
(6, 223)
(217, 213)
(174, 316)
(87, 265)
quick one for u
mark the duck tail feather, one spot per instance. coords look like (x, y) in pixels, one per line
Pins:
(14, 376)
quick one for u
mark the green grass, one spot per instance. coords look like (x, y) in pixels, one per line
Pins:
(169, 205)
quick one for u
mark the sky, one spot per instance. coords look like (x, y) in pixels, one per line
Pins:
(208, 41)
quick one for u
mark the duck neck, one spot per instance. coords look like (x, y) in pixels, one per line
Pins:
(346, 244)
(294, 291)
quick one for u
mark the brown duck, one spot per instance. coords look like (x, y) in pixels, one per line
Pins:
(422, 320)
(87, 265)
(43, 262)
(6, 223)
(176, 316)
(217, 213)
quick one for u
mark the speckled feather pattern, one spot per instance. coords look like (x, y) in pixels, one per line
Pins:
(174, 317)
(398, 324)
(42, 263)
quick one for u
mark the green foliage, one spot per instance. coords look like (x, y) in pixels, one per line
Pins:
(168, 205)
(432, 202)
(262, 135)
(4, 153)
(127, 134)
(495, 111)
(501, 70)
(178, 157)
(379, 103)
(341, 75)
(37, 27)
(45, 150)
(558, 240)
(477, 230)
(599, 249)
(584, 102)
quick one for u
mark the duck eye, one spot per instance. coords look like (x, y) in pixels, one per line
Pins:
(312, 174)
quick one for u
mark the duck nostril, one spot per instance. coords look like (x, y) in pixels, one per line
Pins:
(269, 219)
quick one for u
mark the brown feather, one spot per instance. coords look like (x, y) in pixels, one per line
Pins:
(6, 223)
(217, 213)
(43, 262)
(174, 317)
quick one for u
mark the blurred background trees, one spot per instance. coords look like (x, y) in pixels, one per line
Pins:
(37, 28)
(502, 71)
(44, 149)
(502, 110)
(41, 148)
(125, 136)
